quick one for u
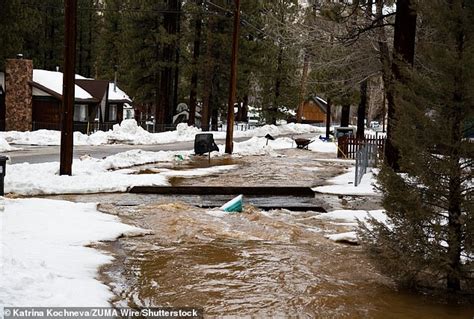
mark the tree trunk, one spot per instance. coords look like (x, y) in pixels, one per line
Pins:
(205, 118)
(276, 101)
(304, 79)
(208, 78)
(176, 61)
(403, 57)
(361, 110)
(345, 113)
(215, 118)
(385, 60)
(244, 111)
(455, 232)
(214, 105)
(328, 118)
(194, 76)
(165, 112)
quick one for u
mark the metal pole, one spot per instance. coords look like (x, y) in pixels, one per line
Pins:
(229, 144)
(70, 9)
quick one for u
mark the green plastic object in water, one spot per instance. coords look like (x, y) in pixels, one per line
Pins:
(233, 206)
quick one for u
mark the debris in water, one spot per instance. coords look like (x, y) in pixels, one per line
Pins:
(234, 205)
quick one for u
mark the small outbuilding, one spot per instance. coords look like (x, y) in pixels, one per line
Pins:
(314, 110)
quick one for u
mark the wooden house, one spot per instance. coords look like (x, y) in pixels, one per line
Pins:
(98, 103)
(314, 110)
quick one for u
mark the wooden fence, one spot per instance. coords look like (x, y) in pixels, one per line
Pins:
(347, 146)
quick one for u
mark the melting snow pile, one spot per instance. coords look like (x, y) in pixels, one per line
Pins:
(128, 132)
(344, 185)
(4, 146)
(44, 259)
(350, 218)
(90, 175)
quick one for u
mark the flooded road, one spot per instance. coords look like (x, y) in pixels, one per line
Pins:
(292, 167)
(255, 263)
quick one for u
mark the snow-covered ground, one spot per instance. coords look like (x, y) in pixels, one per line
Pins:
(350, 218)
(128, 132)
(116, 174)
(43, 255)
(43, 241)
(90, 175)
(344, 185)
(4, 146)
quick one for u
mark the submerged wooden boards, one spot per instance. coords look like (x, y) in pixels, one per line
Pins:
(226, 190)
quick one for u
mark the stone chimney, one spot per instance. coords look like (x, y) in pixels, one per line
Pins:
(18, 95)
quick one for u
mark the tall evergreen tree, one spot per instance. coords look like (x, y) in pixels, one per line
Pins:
(45, 43)
(142, 46)
(87, 36)
(429, 235)
(110, 44)
(10, 26)
(403, 56)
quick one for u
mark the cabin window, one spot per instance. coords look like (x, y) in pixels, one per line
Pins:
(112, 112)
(80, 112)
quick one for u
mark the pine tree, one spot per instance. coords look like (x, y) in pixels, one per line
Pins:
(141, 64)
(87, 35)
(429, 236)
(111, 38)
(45, 43)
(277, 75)
(18, 24)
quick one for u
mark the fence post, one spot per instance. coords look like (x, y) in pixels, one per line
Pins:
(356, 182)
(342, 147)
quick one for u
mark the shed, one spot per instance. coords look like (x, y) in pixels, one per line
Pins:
(314, 110)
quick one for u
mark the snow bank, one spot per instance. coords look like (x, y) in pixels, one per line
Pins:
(259, 146)
(349, 237)
(4, 146)
(351, 219)
(128, 132)
(344, 185)
(274, 130)
(322, 147)
(353, 216)
(40, 137)
(44, 259)
(91, 175)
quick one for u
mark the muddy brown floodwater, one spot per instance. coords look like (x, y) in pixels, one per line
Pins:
(253, 264)
(258, 264)
(291, 168)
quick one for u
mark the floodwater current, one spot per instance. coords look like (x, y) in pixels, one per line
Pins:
(253, 264)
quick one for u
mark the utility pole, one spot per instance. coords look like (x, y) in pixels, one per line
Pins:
(70, 9)
(229, 143)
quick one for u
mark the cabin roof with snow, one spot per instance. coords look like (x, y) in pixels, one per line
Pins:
(320, 102)
(85, 90)
(117, 95)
